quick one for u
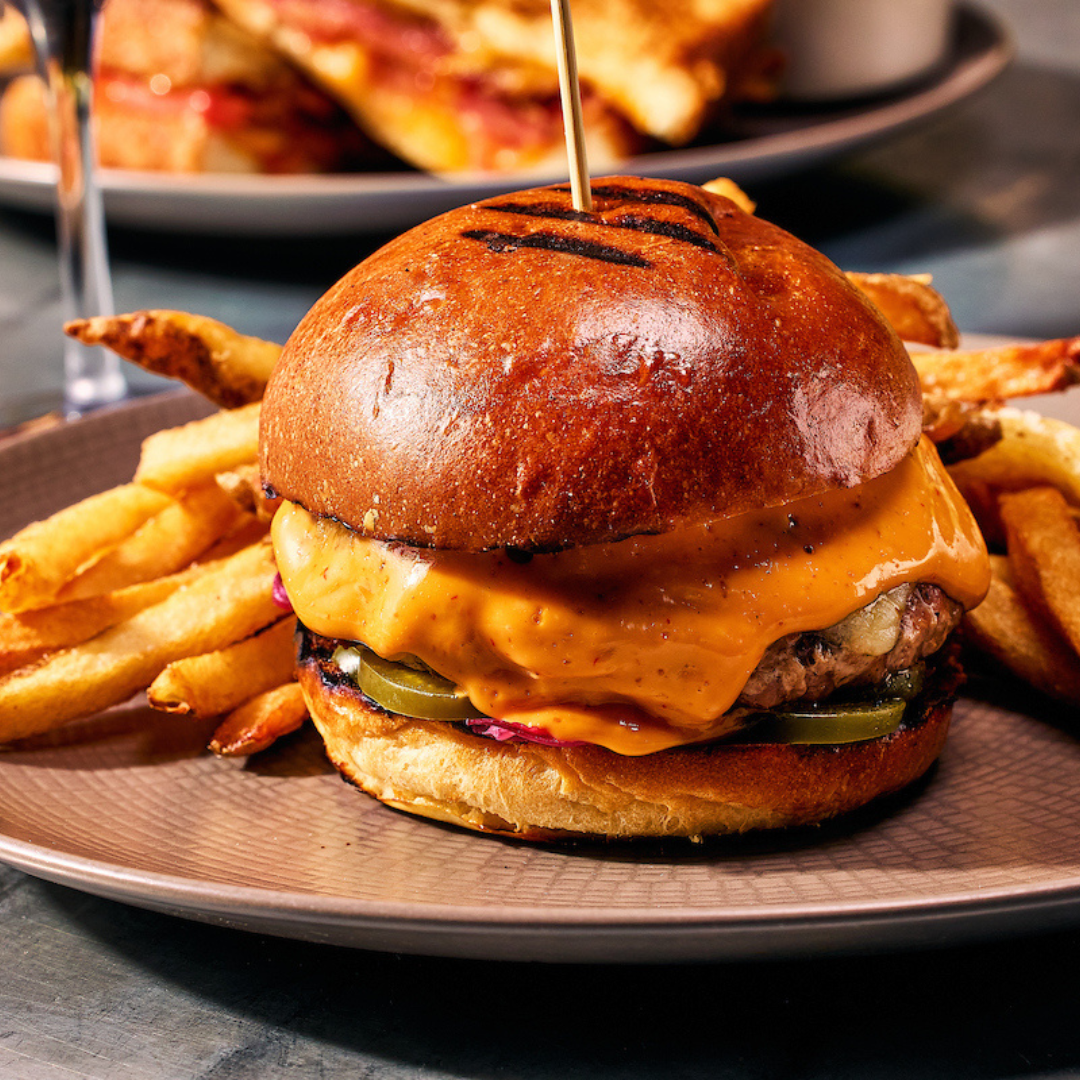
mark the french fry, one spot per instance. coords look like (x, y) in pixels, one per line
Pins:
(1007, 371)
(30, 635)
(1003, 628)
(39, 560)
(228, 601)
(958, 429)
(917, 312)
(180, 458)
(943, 418)
(723, 185)
(228, 368)
(244, 486)
(1001, 569)
(258, 723)
(16, 46)
(166, 543)
(217, 682)
(248, 530)
(1033, 451)
(1044, 554)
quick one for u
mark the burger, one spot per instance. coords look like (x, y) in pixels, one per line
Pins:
(614, 523)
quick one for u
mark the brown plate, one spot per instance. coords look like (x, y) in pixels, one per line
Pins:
(130, 806)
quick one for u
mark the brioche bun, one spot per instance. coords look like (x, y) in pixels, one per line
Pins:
(470, 386)
(534, 792)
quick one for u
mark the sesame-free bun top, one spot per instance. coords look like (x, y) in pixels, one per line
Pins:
(519, 374)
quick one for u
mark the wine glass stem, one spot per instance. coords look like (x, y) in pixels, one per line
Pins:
(92, 376)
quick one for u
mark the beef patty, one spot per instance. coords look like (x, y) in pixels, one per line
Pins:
(811, 665)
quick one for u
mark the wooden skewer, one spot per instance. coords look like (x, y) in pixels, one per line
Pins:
(570, 92)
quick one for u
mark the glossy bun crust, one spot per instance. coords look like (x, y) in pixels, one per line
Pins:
(440, 770)
(516, 373)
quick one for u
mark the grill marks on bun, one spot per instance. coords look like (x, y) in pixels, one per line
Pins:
(611, 203)
(623, 194)
(606, 197)
(501, 243)
(671, 229)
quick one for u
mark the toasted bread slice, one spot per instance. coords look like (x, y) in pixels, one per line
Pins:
(179, 88)
(459, 84)
(187, 131)
(187, 42)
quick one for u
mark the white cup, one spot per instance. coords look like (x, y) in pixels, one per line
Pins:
(849, 48)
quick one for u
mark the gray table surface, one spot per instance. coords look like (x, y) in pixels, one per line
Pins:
(987, 199)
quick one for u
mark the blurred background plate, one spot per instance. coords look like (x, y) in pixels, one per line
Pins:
(130, 806)
(759, 143)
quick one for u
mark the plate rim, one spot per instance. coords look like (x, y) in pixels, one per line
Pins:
(676, 937)
(80, 871)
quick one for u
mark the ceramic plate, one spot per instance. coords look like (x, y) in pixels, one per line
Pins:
(130, 806)
(762, 143)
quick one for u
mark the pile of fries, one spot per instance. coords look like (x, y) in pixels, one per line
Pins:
(1020, 473)
(1025, 491)
(166, 584)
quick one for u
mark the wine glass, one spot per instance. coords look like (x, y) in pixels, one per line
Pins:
(63, 33)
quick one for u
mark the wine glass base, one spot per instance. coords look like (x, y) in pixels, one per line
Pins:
(83, 394)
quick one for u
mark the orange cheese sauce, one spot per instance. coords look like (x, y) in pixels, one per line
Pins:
(645, 643)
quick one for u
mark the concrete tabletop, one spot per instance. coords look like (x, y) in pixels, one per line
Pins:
(986, 197)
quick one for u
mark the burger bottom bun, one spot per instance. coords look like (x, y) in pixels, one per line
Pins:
(439, 770)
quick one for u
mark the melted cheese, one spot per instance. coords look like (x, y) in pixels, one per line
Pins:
(646, 643)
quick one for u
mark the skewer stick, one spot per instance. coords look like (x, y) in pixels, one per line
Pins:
(570, 92)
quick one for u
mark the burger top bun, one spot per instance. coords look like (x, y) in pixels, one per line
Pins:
(516, 373)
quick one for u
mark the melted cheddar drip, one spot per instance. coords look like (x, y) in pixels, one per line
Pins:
(645, 643)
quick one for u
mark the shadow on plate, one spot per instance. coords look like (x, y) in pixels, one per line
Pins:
(989, 685)
(135, 735)
(130, 734)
